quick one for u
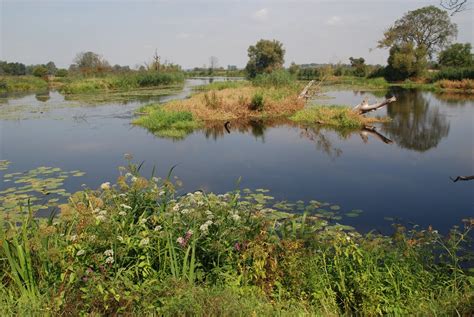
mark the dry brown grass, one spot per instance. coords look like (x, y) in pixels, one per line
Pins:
(465, 84)
(233, 103)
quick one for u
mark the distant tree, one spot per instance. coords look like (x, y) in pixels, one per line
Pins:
(61, 72)
(294, 69)
(51, 68)
(265, 57)
(457, 55)
(358, 66)
(155, 64)
(427, 27)
(213, 64)
(40, 71)
(406, 61)
(90, 62)
(15, 69)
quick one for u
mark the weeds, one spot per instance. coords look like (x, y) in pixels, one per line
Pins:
(139, 247)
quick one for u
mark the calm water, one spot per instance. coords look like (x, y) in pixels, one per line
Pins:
(431, 137)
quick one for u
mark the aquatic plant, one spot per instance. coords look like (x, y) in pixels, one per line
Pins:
(142, 247)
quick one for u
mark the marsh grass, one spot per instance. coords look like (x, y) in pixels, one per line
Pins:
(140, 247)
(170, 124)
(125, 81)
(466, 85)
(22, 83)
(334, 116)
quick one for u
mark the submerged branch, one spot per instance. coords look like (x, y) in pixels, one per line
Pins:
(372, 131)
(462, 178)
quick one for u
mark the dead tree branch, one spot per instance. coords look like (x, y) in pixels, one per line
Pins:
(364, 106)
(462, 178)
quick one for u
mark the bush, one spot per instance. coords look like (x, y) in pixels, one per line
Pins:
(278, 78)
(61, 72)
(454, 73)
(257, 103)
(40, 71)
(211, 100)
(158, 79)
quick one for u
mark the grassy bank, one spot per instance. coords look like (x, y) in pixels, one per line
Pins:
(139, 247)
(22, 83)
(333, 116)
(125, 81)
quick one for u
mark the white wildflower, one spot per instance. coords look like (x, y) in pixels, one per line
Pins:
(125, 206)
(105, 186)
(185, 211)
(109, 252)
(201, 203)
(122, 213)
(80, 252)
(180, 240)
(120, 238)
(162, 193)
(122, 195)
(158, 228)
(73, 238)
(134, 179)
(109, 260)
(205, 226)
(235, 217)
(143, 221)
(100, 218)
(128, 175)
(176, 207)
(155, 179)
(144, 242)
(103, 212)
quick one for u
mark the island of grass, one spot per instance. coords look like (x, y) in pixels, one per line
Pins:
(267, 97)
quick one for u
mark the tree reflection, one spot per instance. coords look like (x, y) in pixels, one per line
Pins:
(42, 96)
(415, 124)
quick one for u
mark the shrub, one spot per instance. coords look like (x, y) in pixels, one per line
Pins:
(40, 71)
(278, 78)
(257, 103)
(61, 72)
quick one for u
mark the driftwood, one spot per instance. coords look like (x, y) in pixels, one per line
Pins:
(304, 92)
(364, 106)
(462, 178)
(364, 134)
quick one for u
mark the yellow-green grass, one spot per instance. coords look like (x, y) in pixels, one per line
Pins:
(22, 83)
(334, 116)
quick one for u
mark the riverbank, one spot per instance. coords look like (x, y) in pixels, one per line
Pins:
(140, 247)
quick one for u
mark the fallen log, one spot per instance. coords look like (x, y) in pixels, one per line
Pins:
(304, 92)
(364, 106)
(462, 178)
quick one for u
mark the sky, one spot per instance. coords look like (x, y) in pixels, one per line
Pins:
(189, 32)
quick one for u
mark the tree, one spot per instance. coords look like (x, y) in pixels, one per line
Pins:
(265, 57)
(61, 72)
(52, 69)
(40, 71)
(405, 61)
(213, 64)
(90, 62)
(457, 55)
(294, 69)
(429, 27)
(358, 66)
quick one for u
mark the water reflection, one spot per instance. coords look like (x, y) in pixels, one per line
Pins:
(43, 96)
(416, 124)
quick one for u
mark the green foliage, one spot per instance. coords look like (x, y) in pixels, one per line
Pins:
(454, 73)
(358, 66)
(294, 69)
(428, 27)
(406, 61)
(221, 85)
(171, 124)
(139, 247)
(265, 57)
(457, 55)
(62, 72)
(90, 63)
(40, 71)
(278, 78)
(22, 83)
(258, 102)
(13, 69)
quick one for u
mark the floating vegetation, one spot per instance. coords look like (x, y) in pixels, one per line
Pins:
(4, 164)
(33, 190)
(354, 213)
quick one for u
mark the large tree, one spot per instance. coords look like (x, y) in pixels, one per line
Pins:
(265, 57)
(429, 27)
(457, 55)
(90, 62)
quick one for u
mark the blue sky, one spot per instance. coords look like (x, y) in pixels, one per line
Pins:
(189, 32)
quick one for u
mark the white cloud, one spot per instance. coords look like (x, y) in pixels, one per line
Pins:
(261, 15)
(334, 20)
